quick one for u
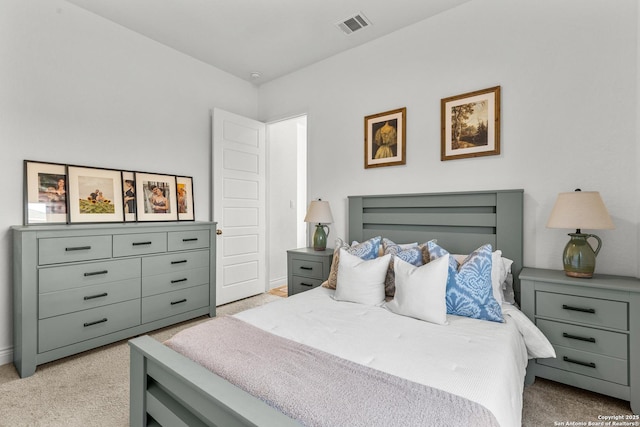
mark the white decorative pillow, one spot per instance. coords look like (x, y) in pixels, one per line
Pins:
(421, 291)
(361, 281)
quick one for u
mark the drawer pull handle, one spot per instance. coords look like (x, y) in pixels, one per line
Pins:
(306, 284)
(95, 323)
(580, 309)
(78, 248)
(306, 268)
(141, 243)
(576, 337)
(578, 362)
(182, 261)
(178, 302)
(179, 280)
(192, 239)
(95, 273)
(104, 294)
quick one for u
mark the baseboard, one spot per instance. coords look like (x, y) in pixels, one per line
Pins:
(276, 283)
(6, 356)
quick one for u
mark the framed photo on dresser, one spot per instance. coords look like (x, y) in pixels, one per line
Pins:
(45, 193)
(95, 195)
(156, 197)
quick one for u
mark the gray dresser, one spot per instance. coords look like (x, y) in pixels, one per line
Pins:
(77, 287)
(594, 326)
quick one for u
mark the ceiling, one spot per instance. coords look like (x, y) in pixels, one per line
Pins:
(268, 37)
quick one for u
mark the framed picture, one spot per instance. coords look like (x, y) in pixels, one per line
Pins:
(385, 139)
(471, 124)
(45, 193)
(184, 186)
(95, 195)
(156, 197)
(129, 195)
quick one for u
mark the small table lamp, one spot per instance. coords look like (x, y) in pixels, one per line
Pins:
(580, 209)
(319, 212)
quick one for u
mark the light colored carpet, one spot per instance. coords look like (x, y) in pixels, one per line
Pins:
(92, 389)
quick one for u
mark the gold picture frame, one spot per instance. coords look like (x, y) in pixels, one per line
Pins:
(470, 124)
(385, 139)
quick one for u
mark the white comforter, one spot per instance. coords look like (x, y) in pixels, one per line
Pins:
(480, 360)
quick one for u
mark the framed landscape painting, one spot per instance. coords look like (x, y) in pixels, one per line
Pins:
(45, 187)
(385, 139)
(95, 195)
(156, 197)
(470, 124)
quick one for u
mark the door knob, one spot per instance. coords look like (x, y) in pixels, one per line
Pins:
(218, 231)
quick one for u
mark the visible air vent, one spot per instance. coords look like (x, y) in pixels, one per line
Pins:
(353, 23)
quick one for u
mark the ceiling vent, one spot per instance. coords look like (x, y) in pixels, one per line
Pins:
(353, 23)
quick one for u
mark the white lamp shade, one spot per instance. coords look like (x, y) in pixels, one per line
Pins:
(319, 212)
(580, 209)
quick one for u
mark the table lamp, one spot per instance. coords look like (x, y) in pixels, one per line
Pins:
(580, 209)
(319, 212)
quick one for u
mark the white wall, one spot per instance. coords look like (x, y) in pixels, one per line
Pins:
(78, 89)
(569, 75)
(283, 199)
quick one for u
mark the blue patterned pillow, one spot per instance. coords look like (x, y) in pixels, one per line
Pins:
(410, 253)
(469, 290)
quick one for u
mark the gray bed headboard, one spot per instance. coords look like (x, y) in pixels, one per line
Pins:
(460, 221)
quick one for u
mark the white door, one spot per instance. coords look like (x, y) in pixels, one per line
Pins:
(239, 199)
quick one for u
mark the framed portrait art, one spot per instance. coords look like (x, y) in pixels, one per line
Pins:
(95, 195)
(184, 186)
(470, 124)
(129, 195)
(385, 139)
(156, 197)
(45, 187)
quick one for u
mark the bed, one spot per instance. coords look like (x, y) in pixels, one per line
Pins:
(168, 388)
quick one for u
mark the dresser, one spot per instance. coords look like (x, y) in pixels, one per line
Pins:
(594, 326)
(77, 287)
(307, 269)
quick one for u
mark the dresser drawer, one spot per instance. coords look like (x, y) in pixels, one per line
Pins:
(139, 244)
(160, 283)
(592, 311)
(184, 240)
(607, 343)
(589, 364)
(71, 328)
(71, 249)
(77, 299)
(170, 263)
(307, 268)
(159, 306)
(51, 279)
(301, 284)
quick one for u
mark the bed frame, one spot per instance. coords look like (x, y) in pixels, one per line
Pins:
(168, 389)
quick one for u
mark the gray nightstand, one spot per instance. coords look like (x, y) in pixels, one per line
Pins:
(594, 326)
(307, 268)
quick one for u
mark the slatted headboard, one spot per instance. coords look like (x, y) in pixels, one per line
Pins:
(461, 221)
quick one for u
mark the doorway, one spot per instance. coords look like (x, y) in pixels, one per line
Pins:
(286, 193)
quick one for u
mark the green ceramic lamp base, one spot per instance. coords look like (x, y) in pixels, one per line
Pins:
(579, 257)
(320, 237)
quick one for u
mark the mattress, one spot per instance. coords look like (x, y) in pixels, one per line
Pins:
(479, 360)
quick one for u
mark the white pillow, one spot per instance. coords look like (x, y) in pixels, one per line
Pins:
(421, 291)
(361, 281)
(538, 346)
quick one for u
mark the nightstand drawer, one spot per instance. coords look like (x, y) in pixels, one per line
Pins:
(72, 249)
(307, 268)
(589, 364)
(592, 311)
(301, 284)
(607, 343)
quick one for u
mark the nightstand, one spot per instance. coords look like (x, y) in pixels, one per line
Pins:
(594, 326)
(307, 268)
